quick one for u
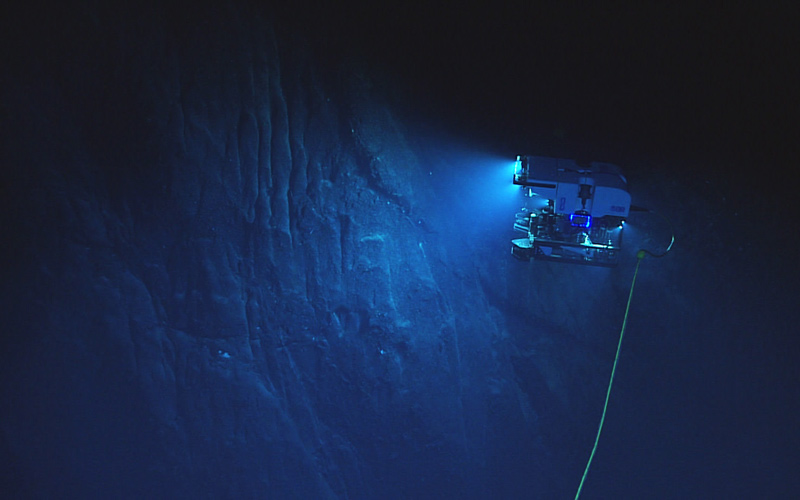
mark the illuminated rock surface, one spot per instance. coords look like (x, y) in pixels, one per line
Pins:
(236, 270)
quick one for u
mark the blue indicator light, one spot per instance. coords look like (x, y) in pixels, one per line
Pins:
(580, 220)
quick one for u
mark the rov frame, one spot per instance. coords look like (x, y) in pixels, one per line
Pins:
(572, 213)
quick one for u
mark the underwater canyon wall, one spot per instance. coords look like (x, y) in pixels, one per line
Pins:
(231, 278)
(236, 266)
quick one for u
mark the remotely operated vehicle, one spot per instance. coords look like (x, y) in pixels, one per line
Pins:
(576, 213)
(572, 213)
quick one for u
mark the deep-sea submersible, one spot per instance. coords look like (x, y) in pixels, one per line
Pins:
(572, 213)
(576, 213)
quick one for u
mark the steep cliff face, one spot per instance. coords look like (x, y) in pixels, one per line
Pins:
(231, 280)
(235, 266)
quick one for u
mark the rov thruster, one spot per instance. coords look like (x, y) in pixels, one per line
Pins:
(572, 213)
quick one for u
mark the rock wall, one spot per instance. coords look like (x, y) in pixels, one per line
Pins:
(240, 264)
(231, 279)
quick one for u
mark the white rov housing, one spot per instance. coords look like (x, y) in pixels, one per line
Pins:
(572, 213)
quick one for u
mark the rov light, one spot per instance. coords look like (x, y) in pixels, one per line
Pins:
(521, 168)
(579, 219)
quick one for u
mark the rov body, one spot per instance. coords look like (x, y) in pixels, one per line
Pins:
(572, 213)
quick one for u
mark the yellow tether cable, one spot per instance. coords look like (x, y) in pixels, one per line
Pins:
(639, 255)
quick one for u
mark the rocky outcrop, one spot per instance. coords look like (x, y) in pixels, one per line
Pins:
(236, 267)
(233, 283)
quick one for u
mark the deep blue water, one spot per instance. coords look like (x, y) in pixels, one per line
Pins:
(264, 252)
